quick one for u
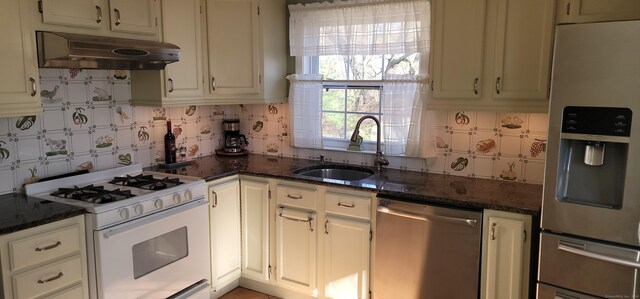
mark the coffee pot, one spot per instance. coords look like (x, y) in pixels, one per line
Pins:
(234, 142)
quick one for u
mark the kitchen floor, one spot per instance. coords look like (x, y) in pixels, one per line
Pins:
(242, 293)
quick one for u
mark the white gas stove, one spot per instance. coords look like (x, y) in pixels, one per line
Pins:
(147, 233)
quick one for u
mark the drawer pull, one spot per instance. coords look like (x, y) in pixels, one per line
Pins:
(294, 196)
(493, 231)
(34, 89)
(49, 247)
(51, 279)
(353, 205)
(309, 220)
(99, 19)
(117, 12)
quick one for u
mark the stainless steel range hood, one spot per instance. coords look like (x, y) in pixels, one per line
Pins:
(67, 50)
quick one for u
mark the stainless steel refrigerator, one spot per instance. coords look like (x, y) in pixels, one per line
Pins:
(590, 240)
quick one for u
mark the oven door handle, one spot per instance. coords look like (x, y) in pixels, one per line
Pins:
(191, 290)
(153, 217)
(598, 256)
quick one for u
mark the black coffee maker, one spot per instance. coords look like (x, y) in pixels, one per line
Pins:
(234, 142)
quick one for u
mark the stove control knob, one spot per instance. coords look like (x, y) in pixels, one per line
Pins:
(188, 195)
(124, 213)
(159, 205)
(177, 198)
(138, 209)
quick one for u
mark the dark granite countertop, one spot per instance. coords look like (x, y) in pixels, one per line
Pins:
(18, 212)
(401, 184)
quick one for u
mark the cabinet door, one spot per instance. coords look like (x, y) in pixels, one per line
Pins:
(233, 48)
(77, 13)
(584, 11)
(181, 26)
(19, 75)
(296, 250)
(458, 43)
(225, 233)
(137, 16)
(255, 230)
(346, 258)
(522, 50)
(505, 259)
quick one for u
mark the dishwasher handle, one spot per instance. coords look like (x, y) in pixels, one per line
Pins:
(428, 217)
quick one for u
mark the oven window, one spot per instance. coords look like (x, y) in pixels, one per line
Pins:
(160, 251)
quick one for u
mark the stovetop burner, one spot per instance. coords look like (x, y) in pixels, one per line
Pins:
(94, 194)
(146, 181)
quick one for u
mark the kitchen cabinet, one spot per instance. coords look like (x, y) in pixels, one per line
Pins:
(506, 251)
(585, 11)
(495, 56)
(117, 18)
(296, 234)
(133, 16)
(180, 83)
(347, 243)
(19, 81)
(45, 261)
(224, 200)
(246, 64)
(254, 204)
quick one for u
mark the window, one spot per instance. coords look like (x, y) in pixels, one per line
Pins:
(356, 58)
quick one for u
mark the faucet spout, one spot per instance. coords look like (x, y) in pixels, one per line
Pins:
(380, 158)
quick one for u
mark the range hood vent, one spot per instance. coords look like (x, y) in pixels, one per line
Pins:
(67, 50)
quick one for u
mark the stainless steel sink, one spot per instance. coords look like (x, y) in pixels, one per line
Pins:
(335, 172)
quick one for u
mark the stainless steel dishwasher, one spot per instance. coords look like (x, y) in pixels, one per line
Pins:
(426, 252)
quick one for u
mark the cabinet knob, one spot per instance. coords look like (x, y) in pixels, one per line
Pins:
(117, 12)
(99, 9)
(34, 89)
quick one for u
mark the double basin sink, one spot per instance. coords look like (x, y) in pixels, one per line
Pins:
(335, 172)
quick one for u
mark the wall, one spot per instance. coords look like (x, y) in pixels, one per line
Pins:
(88, 123)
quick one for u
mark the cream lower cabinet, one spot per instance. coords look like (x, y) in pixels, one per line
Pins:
(506, 248)
(296, 260)
(224, 219)
(180, 83)
(47, 261)
(254, 206)
(492, 54)
(585, 11)
(19, 78)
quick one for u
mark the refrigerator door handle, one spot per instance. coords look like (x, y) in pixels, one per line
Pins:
(430, 217)
(598, 256)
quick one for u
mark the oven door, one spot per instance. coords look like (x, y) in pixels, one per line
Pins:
(157, 256)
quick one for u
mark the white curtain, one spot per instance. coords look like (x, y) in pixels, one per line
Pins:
(305, 102)
(402, 121)
(359, 27)
(363, 27)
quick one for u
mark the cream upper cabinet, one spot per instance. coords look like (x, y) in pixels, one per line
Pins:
(180, 83)
(81, 13)
(584, 11)
(133, 16)
(506, 248)
(254, 205)
(233, 34)
(245, 51)
(495, 56)
(19, 79)
(224, 200)
(135, 19)
(457, 48)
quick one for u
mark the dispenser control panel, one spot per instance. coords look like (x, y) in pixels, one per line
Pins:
(597, 120)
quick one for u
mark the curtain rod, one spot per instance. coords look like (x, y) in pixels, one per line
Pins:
(344, 4)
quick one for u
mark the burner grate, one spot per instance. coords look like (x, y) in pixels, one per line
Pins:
(146, 181)
(93, 194)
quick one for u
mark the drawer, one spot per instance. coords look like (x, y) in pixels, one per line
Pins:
(75, 292)
(44, 247)
(296, 197)
(49, 278)
(348, 205)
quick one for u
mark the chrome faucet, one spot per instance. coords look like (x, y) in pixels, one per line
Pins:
(380, 159)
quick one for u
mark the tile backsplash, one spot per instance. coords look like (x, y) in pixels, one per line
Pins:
(88, 122)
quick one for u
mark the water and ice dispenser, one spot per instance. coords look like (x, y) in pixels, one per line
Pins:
(593, 155)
